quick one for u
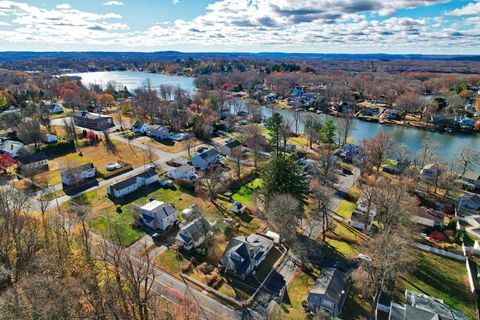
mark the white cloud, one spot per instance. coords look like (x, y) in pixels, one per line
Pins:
(63, 6)
(468, 10)
(175, 2)
(113, 3)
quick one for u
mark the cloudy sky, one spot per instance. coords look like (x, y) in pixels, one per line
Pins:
(341, 26)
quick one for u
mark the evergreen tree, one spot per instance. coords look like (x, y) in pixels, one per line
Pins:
(327, 133)
(274, 124)
(284, 175)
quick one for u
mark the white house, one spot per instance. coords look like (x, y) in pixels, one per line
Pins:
(183, 172)
(35, 162)
(158, 215)
(12, 148)
(132, 184)
(140, 127)
(55, 108)
(227, 148)
(78, 175)
(158, 132)
(205, 159)
(472, 178)
(193, 234)
(358, 221)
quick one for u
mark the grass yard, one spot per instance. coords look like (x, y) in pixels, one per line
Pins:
(342, 242)
(356, 306)
(245, 194)
(438, 277)
(297, 292)
(170, 262)
(345, 209)
(169, 145)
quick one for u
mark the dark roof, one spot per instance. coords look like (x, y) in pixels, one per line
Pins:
(83, 167)
(36, 157)
(138, 125)
(132, 180)
(194, 230)
(331, 282)
(209, 154)
(89, 115)
(245, 248)
(233, 144)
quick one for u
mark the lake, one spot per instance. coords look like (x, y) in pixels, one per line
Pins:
(448, 143)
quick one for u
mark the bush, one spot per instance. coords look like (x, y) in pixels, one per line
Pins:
(60, 148)
(185, 184)
(118, 209)
(228, 232)
(205, 268)
(187, 267)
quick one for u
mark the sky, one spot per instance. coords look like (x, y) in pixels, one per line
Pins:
(320, 26)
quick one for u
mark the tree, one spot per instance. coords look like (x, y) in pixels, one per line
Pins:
(236, 155)
(105, 100)
(375, 150)
(345, 126)
(284, 212)
(429, 149)
(284, 174)
(468, 158)
(274, 124)
(5, 162)
(3, 102)
(327, 133)
(254, 112)
(323, 200)
(29, 131)
(312, 128)
(71, 132)
(326, 165)
(210, 181)
(296, 119)
(189, 144)
(254, 139)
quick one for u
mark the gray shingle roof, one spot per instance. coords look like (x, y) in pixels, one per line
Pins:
(132, 180)
(331, 282)
(209, 154)
(36, 157)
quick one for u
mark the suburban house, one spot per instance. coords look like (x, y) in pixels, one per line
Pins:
(94, 121)
(12, 148)
(55, 108)
(358, 220)
(193, 234)
(329, 292)
(78, 175)
(132, 184)
(472, 179)
(428, 217)
(466, 123)
(469, 201)
(158, 215)
(244, 254)
(205, 159)
(429, 172)
(158, 132)
(227, 149)
(33, 163)
(419, 306)
(50, 138)
(185, 171)
(140, 127)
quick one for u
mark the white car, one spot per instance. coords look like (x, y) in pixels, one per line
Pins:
(112, 166)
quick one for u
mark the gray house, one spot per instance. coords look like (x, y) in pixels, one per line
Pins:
(329, 292)
(194, 234)
(244, 254)
(205, 159)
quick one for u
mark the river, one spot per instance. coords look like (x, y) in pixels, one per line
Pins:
(448, 143)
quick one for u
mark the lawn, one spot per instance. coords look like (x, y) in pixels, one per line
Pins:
(343, 241)
(345, 209)
(441, 278)
(297, 291)
(169, 145)
(245, 194)
(170, 262)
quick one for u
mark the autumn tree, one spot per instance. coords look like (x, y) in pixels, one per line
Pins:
(375, 150)
(105, 100)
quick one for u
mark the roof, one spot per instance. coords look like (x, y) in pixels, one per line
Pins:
(331, 283)
(245, 248)
(232, 144)
(472, 175)
(406, 312)
(156, 127)
(138, 125)
(474, 197)
(185, 168)
(89, 115)
(132, 180)
(209, 154)
(10, 145)
(161, 208)
(82, 168)
(194, 230)
(36, 157)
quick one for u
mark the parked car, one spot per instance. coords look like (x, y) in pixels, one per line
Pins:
(202, 149)
(237, 207)
(115, 165)
(172, 163)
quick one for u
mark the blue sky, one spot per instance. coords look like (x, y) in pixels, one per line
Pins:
(343, 26)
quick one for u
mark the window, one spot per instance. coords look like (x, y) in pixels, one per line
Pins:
(236, 256)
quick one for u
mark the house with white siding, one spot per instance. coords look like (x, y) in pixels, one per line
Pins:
(158, 215)
(132, 184)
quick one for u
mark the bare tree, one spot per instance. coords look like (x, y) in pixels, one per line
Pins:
(468, 157)
(210, 181)
(375, 150)
(326, 165)
(429, 149)
(345, 126)
(312, 128)
(255, 140)
(323, 200)
(29, 131)
(109, 143)
(284, 214)
(189, 144)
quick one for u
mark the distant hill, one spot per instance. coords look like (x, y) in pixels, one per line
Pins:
(10, 56)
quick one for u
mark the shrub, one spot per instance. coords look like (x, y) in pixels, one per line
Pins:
(228, 232)
(118, 208)
(187, 267)
(185, 184)
(205, 268)
(60, 148)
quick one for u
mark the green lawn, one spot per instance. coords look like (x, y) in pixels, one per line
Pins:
(345, 209)
(120, 225)
(441, 278)
(297, 292)
(244, 195)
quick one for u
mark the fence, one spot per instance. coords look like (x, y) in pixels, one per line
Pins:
(440, 252)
